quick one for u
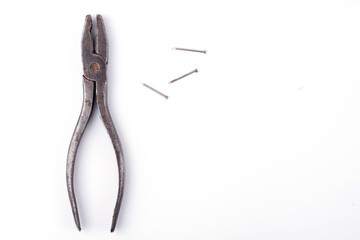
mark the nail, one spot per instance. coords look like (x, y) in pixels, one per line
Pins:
(190, 50)
(195, 71)
(160, 93)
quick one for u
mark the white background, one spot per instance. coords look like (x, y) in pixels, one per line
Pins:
(262, 143)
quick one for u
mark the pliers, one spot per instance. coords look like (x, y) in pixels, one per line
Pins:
(94, 58)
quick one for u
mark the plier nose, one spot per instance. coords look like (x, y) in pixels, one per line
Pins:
(94, 53)
(94, 57)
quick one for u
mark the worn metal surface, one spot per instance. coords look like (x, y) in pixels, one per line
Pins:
(94, 82)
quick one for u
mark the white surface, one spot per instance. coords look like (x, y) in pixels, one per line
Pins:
(262, 143)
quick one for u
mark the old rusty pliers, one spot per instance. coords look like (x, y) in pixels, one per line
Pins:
(94, 57)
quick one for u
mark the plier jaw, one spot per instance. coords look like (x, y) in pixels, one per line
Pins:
(94, 53)
(94, 57)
